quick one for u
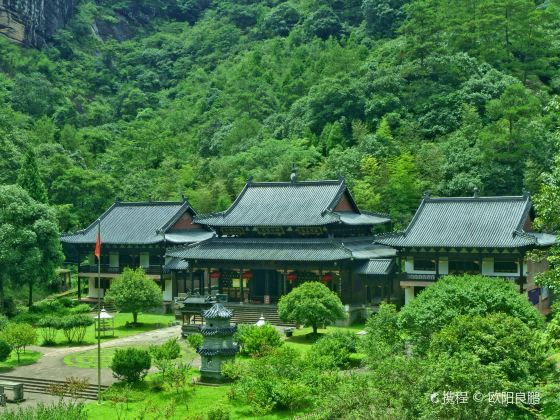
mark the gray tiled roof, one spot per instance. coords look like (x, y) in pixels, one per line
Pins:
(133, 223)
(381, 266)
(176, 264)
(465, 222)
(301, 203)
(217, 311)
(264, 249)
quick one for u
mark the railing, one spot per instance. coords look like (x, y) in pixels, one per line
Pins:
(106, 268)
(434, 277)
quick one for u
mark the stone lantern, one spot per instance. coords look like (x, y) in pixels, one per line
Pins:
(218, 346)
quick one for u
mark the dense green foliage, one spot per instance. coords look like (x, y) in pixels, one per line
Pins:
(62, 410)
(311, 304)
(19, 336)
(282, 379)
(451, 296)
(336, 347)
(162, 355)
(257, 340)
(195, 340)
(5, 350)
(141, 98)
(133, 291)
(131, 364)
(29, 240)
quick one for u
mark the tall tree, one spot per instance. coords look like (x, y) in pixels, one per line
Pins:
(29, 178)
(29, 245)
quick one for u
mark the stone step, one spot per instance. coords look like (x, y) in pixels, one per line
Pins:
(42, 386)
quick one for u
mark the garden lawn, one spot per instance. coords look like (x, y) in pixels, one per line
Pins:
(148, 322)
(194, 403)
(27, 358)
(88, 359)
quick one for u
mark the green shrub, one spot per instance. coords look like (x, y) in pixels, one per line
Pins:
(336, 347)
(49, 326)
(27, 318)
(66, 302)
(5, 350)
(256, 341)
(70, 410)
(163, 355)
(82, 308)
(130, 364)
(281, 379)
(218, 413)
(74, 327)
(51, 307)
(195, 340)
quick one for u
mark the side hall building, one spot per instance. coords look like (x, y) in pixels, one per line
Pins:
(470, 235)
(133, 234)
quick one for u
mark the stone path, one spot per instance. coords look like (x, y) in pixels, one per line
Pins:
(51, 364)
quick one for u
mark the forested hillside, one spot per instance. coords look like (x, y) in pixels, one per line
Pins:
(141, 99)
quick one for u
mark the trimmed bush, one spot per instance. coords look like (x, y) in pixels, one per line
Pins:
(5, 350)
(130, 364)
(195, 340)
(49, 328)
(336, 347)
(256, 341)
(74, 327)
(82, 308)
(218, 413)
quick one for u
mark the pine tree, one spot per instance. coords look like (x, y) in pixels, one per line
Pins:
(30, 180)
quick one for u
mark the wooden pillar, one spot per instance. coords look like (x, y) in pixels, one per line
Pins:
(220, 282)
(437, 267)
(521, 273)
(241, 284)
(184, 282)
(285, 282)
(79, 283)
(201, 283)
(174, 285)
(191, 274)
(207, 274)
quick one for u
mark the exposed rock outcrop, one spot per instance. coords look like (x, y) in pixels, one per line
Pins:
(33, 22)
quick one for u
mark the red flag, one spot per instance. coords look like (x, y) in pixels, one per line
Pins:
(97, 252)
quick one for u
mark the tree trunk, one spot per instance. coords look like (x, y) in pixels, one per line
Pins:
(30, 302)
(314, 329)
(135, 317)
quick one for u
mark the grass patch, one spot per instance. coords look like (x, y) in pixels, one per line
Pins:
(27, 358)
(148, 322)
(192, 403)
(88, 359)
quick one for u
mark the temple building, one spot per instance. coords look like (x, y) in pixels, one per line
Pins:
(133, 234)
(277, 235)
(470, 235)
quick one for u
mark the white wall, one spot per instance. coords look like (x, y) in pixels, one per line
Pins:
(167, 293)
(94, 292)
(487, 267)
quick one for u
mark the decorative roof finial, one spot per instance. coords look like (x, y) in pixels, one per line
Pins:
(475, 192)
(150, 197)
(250, 179)
(525, 193)
(426, 195)
(184, 198)
(293, 176)
(340, 177)
(117, 199)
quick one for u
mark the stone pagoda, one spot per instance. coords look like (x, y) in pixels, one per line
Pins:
(218, 346)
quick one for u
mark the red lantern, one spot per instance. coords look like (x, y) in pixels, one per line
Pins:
(326, 278)
(292, 277)
(215, 275)
(247, 275)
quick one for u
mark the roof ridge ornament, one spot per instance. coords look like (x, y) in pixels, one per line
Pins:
(475, 192)
(293, 176)
(426, 195)
(250, 179)
(526, 193)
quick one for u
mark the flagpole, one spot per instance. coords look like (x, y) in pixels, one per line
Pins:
(99, 313)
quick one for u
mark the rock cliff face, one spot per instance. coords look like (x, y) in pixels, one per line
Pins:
(33, 22)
